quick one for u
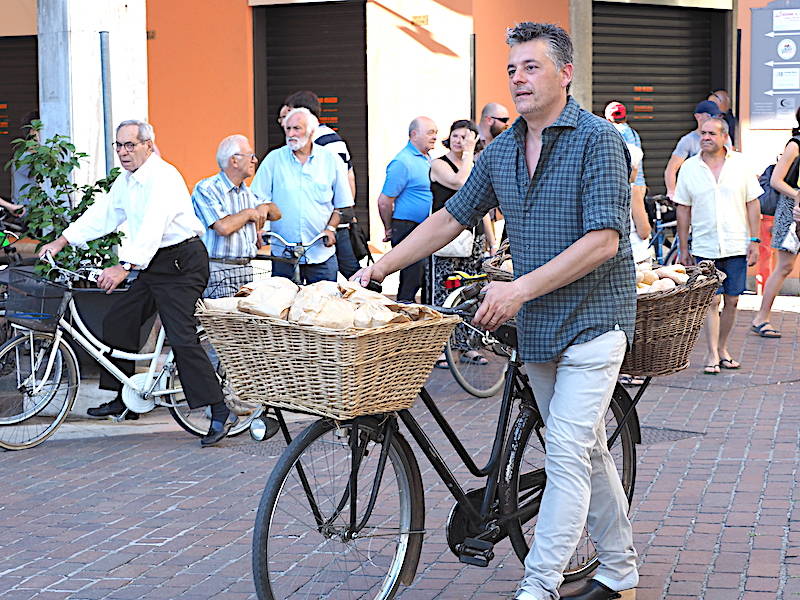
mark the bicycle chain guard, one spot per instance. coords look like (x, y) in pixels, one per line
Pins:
(459, 527)
(133, 399)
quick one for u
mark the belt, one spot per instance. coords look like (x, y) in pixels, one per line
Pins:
(231, 261)
(179, 244)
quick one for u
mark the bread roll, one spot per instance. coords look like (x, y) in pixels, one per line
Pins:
(673, 274)
(662, 285)
(373, 314)
(639, 277)
(270, 283)
(225, 304)
(649, 277)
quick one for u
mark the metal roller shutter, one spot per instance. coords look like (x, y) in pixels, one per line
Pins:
(319, 47)
(659, 62)
(19, 95)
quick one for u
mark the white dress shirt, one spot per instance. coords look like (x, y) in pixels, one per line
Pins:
(719, 207)
(155, 203)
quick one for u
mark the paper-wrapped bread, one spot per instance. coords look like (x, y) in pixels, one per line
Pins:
(375, 314)
(310, 300)
(353, 292)
(325, 311)
(507, 266)
(227, 304)
(270, 298)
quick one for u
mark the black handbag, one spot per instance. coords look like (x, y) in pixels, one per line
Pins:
(360, 242)
(769, 199)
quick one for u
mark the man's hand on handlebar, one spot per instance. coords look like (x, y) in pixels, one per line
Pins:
(502, 301)
(329, 239)
(111, 277)
(367, 274)
(52, 248)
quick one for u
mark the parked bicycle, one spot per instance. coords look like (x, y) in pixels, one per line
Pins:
(343, 511)
(40, 374)
(666, 250)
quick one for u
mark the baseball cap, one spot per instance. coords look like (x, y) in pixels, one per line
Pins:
(707, 106)
(615, 111)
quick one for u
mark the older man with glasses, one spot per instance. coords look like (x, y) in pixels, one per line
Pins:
(494, 121)
(232, 215)
(162, 244)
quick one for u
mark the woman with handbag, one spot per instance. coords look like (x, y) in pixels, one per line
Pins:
(783, 180)
(466, 252)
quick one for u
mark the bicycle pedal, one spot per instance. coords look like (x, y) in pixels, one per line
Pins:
(476, 552)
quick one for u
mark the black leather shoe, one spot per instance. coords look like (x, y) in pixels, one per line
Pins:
(113, 408)
(593, 590)
(215, 436)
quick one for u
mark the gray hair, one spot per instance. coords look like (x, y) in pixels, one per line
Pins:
(145, 129)
(311, 121)
(723, 123)
(228, 147)
(559, 44)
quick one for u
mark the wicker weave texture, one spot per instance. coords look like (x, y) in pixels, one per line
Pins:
(668, 323)
(336, 374)
(492, 265)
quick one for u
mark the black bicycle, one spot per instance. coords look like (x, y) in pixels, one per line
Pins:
(343, 511)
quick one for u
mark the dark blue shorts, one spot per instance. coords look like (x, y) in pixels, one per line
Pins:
(735, 269)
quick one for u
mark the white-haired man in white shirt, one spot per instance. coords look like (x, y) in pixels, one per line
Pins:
(163, 245)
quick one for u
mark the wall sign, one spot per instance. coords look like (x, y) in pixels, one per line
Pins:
(775, 65)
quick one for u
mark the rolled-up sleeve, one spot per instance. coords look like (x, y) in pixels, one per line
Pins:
(476, 197)
(342, 197)
(207, 205)
(396, 179)
(605, 192)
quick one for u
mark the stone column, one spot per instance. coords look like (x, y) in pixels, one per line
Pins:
(70, 91)
(580, 25)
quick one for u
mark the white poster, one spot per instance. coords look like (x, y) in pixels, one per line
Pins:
(785, 79)
(787, 19)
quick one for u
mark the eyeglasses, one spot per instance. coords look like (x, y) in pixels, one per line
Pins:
(501, 119)
(250, 156)
(129, 146)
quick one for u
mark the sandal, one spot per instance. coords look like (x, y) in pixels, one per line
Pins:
(475, 359)
(765, 330)
(711, 370)
(631, 380)
(729, 363)
(441, 363)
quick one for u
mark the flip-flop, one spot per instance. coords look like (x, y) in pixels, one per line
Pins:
(441, 363)
(729, 363)
(474, 360)
(764, 331)
(711, 370)
(631, 380)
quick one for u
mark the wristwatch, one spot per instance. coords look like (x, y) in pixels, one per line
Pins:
(126, 265)
(330, 228)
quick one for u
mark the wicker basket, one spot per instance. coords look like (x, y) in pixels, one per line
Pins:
(668, 322)
(492, 268)
(339, 374)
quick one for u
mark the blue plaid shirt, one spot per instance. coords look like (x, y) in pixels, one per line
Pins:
(215, 198)
(580, 185)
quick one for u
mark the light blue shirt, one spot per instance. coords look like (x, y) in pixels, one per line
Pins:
(408, 182)
(630, 136)
(215, 198)
(306, 195)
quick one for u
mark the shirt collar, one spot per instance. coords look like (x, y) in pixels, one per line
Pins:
(414, 150)
(314, 149)
(143, 173)
(227, 183)
(567, 118)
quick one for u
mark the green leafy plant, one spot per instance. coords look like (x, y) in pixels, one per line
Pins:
(54, 200)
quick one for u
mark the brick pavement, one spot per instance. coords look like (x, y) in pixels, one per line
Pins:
(147, 514)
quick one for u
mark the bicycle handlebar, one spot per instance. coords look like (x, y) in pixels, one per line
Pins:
(288, 244)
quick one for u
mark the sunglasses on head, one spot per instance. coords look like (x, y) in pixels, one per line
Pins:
(501, 119)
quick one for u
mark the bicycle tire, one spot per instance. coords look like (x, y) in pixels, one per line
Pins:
(28, 417)
(521, 531)
(296, 556)
(479, 380)
(198, 420)
(671, 257)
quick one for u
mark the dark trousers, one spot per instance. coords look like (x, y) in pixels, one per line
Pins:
(411, 276)
(171, 285)
(348, 265)
(325, 271)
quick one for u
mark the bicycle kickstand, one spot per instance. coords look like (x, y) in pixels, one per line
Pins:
(120, 417)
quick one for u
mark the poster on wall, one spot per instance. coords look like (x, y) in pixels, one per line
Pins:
(775, 65)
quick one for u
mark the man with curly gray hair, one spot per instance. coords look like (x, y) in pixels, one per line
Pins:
(560, 176)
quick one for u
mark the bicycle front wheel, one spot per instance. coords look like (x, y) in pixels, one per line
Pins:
(475, 358)
(38, 385)
(523, 492)
(198, 420)
(304, 545)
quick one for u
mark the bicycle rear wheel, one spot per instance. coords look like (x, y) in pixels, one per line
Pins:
(198, 420)
(38, 385)
(303, 546)
(476, 360)
(523, 491)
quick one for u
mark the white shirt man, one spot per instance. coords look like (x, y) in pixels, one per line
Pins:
(717, 193)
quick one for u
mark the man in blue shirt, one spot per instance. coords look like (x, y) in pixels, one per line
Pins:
(231, 214)
(308, 184)
(406, 198)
